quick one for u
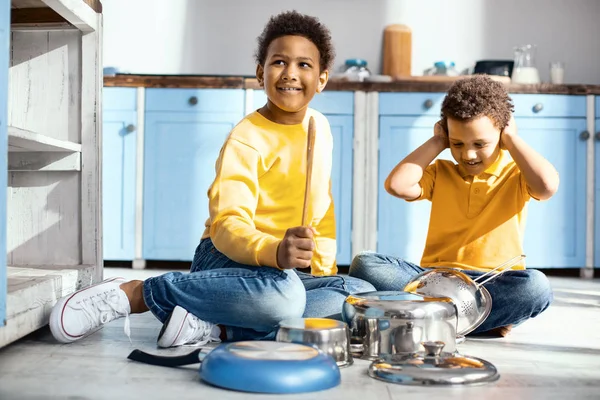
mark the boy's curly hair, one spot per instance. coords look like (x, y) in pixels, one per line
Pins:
(294, 23)
(477, 96)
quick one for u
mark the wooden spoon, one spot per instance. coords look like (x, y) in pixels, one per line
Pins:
(310, 146)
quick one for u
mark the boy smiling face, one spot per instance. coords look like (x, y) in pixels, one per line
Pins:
(291, 76)
(474, 144)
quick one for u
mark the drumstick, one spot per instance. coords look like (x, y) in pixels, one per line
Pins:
(310, 146)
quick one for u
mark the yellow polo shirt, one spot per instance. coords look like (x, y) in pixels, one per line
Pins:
(476, 222)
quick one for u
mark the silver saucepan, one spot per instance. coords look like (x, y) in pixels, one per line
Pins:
(396, 322)
(328, 335)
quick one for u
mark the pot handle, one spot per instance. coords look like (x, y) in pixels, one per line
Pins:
(433, 349)
(507, 264)
(166, 361)
(357, 348)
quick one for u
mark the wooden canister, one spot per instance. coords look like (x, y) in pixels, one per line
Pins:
(397, 51)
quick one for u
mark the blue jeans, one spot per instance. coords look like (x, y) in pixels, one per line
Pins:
(516, 295)
(250, 301)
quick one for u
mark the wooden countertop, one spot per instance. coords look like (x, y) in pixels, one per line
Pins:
(175, 81)
(415, 84)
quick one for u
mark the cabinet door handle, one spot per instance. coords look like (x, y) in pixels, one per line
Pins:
(598, 136)
(193, 100)
(130, 128)
(428, 104)
(538, 107)
(585, 135)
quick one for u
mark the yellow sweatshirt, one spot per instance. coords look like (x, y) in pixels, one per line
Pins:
(258, 191)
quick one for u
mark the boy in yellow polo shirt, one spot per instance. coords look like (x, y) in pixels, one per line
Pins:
(478, 206)
(243, 279)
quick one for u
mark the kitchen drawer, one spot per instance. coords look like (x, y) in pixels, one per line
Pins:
(549, 105)
(332, 102)
(119, 99)
(195, 100)
(426, 104)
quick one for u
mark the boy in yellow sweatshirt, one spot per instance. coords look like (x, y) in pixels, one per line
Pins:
(243, 280)
(478, 204)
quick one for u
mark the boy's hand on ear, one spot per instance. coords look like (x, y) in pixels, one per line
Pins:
(510, 130)
(439, 132)
(296, 248)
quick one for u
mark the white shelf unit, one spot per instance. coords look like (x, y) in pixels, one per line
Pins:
(54, 244)
(26, 141)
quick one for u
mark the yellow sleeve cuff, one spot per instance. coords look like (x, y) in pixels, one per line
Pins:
(267, 254)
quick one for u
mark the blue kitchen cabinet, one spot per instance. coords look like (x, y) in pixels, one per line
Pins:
(597, 186)
(555, 233)
(555, 125)
(4, 51)
(402, 226)
(338, 107)
(342, 128)
(184, 132)
(119, 136)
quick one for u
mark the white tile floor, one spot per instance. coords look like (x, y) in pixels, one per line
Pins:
(556, 355)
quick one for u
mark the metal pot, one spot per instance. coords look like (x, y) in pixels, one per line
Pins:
(398, 322)
(328, 335)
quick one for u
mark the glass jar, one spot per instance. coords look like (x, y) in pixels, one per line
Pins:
(442, 68)
(525, 70)
(355, 70)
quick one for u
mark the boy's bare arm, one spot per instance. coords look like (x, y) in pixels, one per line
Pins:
(540, 175)
(404, 179)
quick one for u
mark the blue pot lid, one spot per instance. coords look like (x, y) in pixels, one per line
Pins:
(269, 367)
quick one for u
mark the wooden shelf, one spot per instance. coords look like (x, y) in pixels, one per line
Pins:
(33, 291)
(82, 14)
(48, 161)
(21, 140)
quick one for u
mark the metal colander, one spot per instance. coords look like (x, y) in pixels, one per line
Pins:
(473, 301)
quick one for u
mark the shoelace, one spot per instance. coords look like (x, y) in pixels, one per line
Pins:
(103, 308)
(201, 333)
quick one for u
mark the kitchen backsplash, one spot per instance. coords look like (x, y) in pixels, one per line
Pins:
(208, 37)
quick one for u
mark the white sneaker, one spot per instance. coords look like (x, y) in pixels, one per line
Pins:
(183, 328)
(84, 312)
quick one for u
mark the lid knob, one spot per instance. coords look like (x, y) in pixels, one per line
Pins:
(433, 349)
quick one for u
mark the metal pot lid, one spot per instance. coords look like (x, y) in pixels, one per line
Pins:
(398, 305)
(360, 298)
(433, 367)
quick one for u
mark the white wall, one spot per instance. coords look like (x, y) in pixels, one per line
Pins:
(218, 37)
